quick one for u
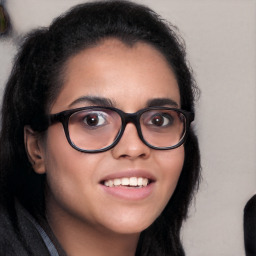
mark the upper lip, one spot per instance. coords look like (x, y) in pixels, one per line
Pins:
(128, 174)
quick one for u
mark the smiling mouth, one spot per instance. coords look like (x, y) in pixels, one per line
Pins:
(134, 182)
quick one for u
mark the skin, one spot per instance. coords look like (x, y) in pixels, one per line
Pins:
(83, 216)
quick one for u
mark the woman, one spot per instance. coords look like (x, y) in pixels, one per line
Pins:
(97, 153)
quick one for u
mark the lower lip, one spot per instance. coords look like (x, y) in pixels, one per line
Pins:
(130, 193)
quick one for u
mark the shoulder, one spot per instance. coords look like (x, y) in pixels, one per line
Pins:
(7, 234)
(18, 236)
(10, 242)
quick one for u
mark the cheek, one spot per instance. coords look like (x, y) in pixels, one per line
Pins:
(70, 177)
(64, 165)
(69, 171)
(171, 163)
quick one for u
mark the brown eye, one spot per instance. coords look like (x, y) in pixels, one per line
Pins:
(161, 120)
(95, 119)
(91, 120)
(157, 120)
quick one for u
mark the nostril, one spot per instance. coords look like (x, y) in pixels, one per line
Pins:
(132, 156)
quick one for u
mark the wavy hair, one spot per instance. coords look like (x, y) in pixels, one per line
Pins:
(36, 80)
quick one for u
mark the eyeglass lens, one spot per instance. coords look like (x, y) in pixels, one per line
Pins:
(95, 129)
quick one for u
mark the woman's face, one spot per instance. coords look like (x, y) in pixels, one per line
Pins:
(131, 78)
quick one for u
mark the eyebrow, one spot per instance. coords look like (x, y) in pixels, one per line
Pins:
(99, 101)
(159, 102)
(106, 102)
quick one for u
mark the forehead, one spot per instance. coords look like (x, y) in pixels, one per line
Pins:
(120, 72)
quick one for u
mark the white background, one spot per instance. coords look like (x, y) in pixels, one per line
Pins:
(221, 44)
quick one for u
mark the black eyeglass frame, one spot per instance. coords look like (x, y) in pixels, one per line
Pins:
(63, 117)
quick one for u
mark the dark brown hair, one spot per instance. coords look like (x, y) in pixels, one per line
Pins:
(35, 82)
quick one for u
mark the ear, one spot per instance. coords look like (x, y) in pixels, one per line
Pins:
(34, 149)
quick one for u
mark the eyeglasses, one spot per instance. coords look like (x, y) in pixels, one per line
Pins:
(96, 129)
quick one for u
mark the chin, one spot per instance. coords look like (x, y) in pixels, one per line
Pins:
(130, 225)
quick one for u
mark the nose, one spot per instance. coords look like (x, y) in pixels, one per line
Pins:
(130, 145)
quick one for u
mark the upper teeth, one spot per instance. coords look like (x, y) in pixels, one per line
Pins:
(133, 181)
